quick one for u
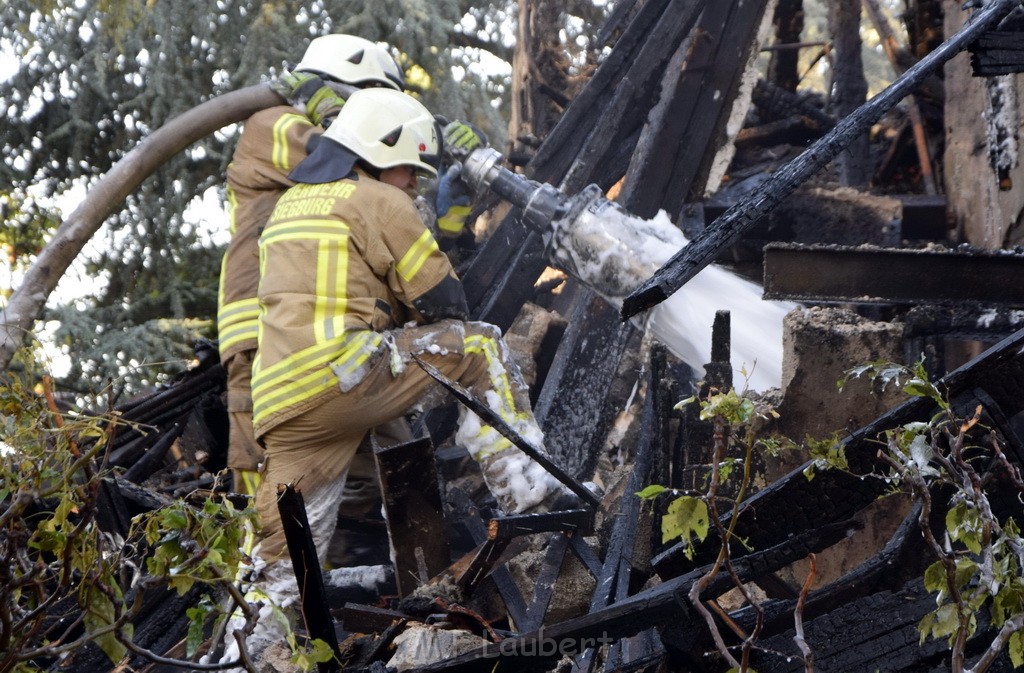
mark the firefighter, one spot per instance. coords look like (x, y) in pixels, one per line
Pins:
(272, 143)
(352, 284)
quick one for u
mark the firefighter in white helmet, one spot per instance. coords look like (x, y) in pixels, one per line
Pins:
(345, 262)
(273, 142)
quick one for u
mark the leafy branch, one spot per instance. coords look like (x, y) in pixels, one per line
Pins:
(55, 557)
(980, 566)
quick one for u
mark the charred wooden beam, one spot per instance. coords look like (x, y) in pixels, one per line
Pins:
(302, 550)
(876, 632)
(922, 217)
(159, 624)
(614, 21)
(867, 275)
(696, 434)
(492, 419)
(654, 18)
(209, 379)
(998, 52)
(501, 277)
(480, 564)
(702, 251)
(962, 322)
(585, 555)
(544, 585)
(357, 618)
(899, 562)
(111, 512)
(573, 407)
(658, 605)
(153, 458)
(502, 578)
(777, 103)
(997, 417)
(412, 507)
(578, 521)
(613, 582)
(698, 108)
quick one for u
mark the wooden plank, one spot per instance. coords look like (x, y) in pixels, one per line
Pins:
(705, 247)
(544, 586)
(578, 521)
(302, 550)
(573, 406)
(729, 59)
(412, 506)
(845, 274)
(613, 582)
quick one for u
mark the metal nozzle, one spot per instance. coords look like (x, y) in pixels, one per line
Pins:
(541, 203)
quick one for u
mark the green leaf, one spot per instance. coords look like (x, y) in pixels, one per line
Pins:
(307, 658)
(99, 614)
(919, 388)
(181, 583)
(651, 492)
(686, 516)
(964, 525)
(196, 622)
(174, 519)
(935, 578)
(1016, 649)
(946, 621)
(966, 569)
(682, 403)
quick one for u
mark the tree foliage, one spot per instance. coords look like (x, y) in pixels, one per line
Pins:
(58, 560)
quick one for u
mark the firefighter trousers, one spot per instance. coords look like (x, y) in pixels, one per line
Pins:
(314, 450)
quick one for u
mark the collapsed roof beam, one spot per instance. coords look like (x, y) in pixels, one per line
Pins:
(727, 229)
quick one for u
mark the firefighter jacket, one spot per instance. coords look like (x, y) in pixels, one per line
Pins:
(273, 142)
(340, 263)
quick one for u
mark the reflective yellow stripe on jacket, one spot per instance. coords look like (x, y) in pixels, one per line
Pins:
(310, 371)
(279, 153)
(412, 261)
(237, 322)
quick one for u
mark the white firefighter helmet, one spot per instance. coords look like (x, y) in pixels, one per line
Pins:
(351, 60)
(387, 128)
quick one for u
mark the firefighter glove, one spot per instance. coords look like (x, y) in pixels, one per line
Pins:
(453, 201)
(323, 105)
(296, 87)
(461, 138)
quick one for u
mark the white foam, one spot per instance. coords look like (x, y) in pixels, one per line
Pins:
(613, 252)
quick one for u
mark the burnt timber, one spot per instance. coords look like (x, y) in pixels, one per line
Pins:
(727, 229)
(785, 522)
(869, 275)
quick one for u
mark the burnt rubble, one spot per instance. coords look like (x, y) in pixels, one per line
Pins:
(597, 581)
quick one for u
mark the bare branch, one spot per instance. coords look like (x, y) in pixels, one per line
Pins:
(798, 618)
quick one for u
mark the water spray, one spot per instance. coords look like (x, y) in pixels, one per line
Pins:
(613, 252)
